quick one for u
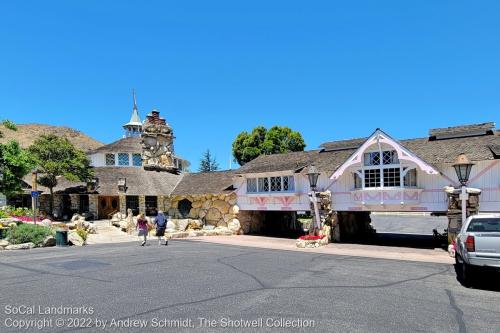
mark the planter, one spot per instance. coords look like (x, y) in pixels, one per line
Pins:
(311, 243)
(61, 238)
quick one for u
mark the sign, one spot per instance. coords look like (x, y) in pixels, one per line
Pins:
(35, 194)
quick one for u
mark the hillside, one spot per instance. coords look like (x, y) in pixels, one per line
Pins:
(27, 133)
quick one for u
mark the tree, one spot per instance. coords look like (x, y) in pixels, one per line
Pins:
(15, 163)
(55, 157)
(208, 163)
(278, 139)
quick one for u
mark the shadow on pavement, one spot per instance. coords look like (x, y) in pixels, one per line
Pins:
(484, 279)
(403, 240)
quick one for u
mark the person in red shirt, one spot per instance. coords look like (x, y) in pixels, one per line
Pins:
(142, 226)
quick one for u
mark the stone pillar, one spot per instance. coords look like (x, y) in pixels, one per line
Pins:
(161, 203)
(142, 204)
(454, 212)
(75, 202)
(93, 205)
(123, 204)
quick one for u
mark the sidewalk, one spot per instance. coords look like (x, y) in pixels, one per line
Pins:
(356, 250)
(106, 233)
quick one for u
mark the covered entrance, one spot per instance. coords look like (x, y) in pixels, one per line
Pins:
(108, 205)
(281, 224)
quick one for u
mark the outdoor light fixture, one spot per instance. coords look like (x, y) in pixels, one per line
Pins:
(463, 166)
(93, 184)
(313, 174)
(122, 184)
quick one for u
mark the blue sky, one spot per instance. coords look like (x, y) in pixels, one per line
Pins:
(329, 69)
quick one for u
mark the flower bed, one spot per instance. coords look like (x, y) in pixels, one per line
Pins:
(311, 241)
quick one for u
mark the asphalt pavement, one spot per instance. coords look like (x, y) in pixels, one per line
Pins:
(201, 287)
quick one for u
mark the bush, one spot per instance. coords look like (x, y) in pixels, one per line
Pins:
(3, 214)
(82, 233)
(25, 233)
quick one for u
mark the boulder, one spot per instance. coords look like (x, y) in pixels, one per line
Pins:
(3, 243)
(202, 213)
(123, 225)
(8, 220)
(179, 234)
(116, 217)
(171, 225)
(182, 224)
(193, 213)
(227, 217)
(223, 231)
(234, 226)
(77, 217)
(72, 225)
(196, 233)
(222, 206)
(207, 204)
(23, 246)
(235, 210)
(49, 241)
(75, 239)
(232, 199)
(222, 223)
(196, 204)
(46, 223)
(195, 224)
(213, 215)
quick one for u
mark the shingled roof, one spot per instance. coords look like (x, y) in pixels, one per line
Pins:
(138, 182)
(205, 183)
(125, 145)
(334, 154)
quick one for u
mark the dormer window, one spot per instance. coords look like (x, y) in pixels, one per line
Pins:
(123, 159)
(110, 159)
(136, 160)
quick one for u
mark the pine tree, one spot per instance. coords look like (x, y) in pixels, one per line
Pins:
(208, 162)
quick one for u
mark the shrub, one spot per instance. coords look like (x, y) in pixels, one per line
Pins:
(3, 214)
(25, 233)
(82, 233)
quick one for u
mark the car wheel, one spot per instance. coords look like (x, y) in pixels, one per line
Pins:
(467, 275)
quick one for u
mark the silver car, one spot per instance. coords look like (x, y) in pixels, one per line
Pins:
(478, 246)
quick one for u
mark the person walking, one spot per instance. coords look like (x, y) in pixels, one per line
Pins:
(161, 225)
(142, 226)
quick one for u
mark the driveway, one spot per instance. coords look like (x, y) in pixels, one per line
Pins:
(232, 285)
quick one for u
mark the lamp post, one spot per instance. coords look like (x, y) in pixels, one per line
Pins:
(34, 193)
(463, 166)
(312, 175)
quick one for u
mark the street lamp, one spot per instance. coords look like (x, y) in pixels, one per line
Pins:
(463, 167)
(313, 175)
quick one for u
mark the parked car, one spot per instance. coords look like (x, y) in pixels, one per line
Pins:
(478, 246)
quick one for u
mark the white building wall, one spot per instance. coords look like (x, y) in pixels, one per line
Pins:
(428, 196)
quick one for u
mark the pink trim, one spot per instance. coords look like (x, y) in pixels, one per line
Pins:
(435, 190)
(341, 193)
(482, 172)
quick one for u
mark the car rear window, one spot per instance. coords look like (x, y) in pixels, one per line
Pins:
(484, 225)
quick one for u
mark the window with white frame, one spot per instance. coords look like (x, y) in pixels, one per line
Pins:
(271, 184)
(358, 182)
(136, 160)
(383, 169)
(123, 159)
(110, 159)
(251, 185)
(410, 179)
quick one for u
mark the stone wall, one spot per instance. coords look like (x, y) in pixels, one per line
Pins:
(213, 209)
(123, 204)
(251, 221)
(93, 204)
(454, 212)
